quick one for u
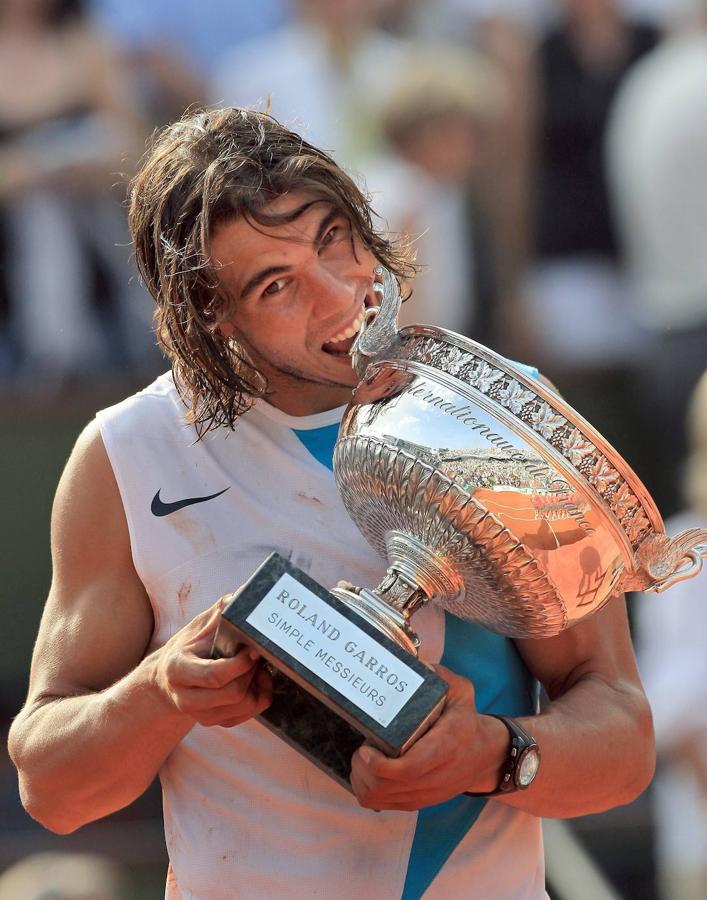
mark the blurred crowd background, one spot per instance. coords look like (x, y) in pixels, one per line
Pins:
(549, 159)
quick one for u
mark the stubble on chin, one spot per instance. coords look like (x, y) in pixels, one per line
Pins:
(297, 376)
(275, 370)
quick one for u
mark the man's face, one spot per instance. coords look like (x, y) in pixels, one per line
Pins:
(297, 293)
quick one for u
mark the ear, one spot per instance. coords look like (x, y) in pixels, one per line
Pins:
(227, 329)
(223, 324)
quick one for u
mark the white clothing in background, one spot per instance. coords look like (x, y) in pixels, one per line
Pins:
(436, 217)
(672, 655)
(578, 314)
(308, 92)
(657, 160)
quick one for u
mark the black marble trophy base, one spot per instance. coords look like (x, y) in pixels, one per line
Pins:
(310, 714)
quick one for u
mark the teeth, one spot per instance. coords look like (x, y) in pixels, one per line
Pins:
(353, 329)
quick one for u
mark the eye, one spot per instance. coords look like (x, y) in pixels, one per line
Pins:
(274, 287)
(330, 235)
(336, 233)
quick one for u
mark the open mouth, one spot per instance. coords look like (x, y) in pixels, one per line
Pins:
(341, 343)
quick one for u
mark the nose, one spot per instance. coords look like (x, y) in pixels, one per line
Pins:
(330, 289)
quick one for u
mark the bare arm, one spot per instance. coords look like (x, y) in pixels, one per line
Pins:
(595, 735)
(101, 717)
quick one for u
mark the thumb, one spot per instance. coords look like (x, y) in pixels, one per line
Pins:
(459, 687)
(206, 624)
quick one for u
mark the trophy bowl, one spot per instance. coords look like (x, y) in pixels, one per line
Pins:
(486, 492)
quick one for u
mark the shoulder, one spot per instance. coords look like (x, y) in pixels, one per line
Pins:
(157, 403)
(87, 488)
(87, 505)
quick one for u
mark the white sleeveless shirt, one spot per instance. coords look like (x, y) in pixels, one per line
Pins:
(245, 814)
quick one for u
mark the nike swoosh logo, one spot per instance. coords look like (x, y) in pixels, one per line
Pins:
(160, 508)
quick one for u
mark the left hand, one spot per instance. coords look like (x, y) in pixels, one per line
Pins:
(462, 751)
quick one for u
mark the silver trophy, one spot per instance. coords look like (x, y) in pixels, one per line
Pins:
(486, 492)
(488, 495)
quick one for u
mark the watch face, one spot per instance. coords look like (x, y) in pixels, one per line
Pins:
(528, 767)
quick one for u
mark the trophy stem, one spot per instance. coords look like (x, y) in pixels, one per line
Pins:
(415, 575)
(401, 591)
(388, 606)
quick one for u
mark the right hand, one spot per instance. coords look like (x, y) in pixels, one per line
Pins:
(211, 691)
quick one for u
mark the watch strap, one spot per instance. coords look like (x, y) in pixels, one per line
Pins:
(520, 741)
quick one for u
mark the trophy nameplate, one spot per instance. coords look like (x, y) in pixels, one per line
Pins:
(337, 681)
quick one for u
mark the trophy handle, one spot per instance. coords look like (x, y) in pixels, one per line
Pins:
(666, 561)
(379, 332)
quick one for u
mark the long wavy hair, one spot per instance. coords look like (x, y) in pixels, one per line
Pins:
(210, 168)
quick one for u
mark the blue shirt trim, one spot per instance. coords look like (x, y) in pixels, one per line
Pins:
(529, 370)
(320, 442)
(503, 685)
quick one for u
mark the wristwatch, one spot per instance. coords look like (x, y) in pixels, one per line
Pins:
(522, 763)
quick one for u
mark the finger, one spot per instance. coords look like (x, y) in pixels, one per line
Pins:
(229, 715)
(206, 619)
(370, 776)
(426, 755)
(194, 671)
(458, 685)
(256, 683)
(372, 794)
(259, 704)
(373, 763)
(205, 626)
(396, 781)
(363, 783)
(230, 694)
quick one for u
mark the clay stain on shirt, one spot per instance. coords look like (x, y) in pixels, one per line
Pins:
(304, 496)
(183, 595)
(193, 530)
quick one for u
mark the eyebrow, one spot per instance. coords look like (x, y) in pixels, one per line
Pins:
(268, 272)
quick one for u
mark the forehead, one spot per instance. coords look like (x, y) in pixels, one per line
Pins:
(240, 245)
(299, 214)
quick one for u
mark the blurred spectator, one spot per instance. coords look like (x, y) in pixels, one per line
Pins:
(173, 45)
(672, 640)
(461, 20)
(504, 31)
(324, 75)
(453, 18)
(575, 308)
(507, 31)
(66, 123)
(582, 61)
(436, 122)
(657, 155)
(63, 876)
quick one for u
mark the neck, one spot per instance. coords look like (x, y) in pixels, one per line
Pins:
(308, 398)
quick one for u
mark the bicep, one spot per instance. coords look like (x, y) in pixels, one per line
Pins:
(97, 622)
(598, 647)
